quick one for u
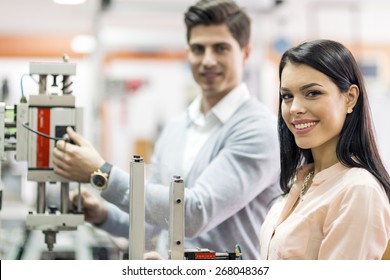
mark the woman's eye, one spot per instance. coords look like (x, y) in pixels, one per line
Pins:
(286, 96)
(313, 93)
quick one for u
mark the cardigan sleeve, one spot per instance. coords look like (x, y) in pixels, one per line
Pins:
(238, 168)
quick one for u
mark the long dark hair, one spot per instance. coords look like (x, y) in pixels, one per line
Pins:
(357, 135)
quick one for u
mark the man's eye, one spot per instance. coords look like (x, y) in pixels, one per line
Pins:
(220, 48)
(196, 49)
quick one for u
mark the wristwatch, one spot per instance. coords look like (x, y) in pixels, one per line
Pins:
(99, 178)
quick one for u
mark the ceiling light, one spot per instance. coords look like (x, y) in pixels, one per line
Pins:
(83, 44)
(69, 2)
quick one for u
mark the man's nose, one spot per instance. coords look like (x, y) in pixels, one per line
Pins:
(209, 58)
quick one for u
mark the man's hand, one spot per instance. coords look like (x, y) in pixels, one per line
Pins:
(95, 211)
(76, 162)
(152, 256)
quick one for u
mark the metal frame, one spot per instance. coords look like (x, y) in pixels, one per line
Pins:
(176, 219)
(137, 209)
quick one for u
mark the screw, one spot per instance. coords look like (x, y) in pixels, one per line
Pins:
(137, 158)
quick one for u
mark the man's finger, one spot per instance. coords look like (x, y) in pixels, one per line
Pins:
(61, 172)
(65, 148)
(60, 159)
(75, 137)
(60, 145)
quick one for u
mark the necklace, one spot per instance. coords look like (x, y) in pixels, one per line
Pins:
(305, 184)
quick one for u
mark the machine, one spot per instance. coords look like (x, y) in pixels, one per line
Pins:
(176, 220)
(31, 128)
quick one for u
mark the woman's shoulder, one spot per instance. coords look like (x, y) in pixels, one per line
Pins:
(358, 175)
(358, 179)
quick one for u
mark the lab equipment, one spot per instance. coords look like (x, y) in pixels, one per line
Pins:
(31, 128)
(176, 218)
(177, 249)
(137, 209)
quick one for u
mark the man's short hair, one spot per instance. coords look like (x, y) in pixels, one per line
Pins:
(217, 12)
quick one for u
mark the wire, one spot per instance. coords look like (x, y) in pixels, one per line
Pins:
(238, 251)
(21, 82)
(40, 133)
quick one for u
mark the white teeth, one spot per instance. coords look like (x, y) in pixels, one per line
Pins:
(304, 125)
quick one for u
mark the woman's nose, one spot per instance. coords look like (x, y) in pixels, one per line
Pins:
(297, 106)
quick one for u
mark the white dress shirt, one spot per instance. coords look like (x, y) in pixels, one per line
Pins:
(203, 126)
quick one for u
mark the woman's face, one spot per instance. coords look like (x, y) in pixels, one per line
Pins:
(313, 108)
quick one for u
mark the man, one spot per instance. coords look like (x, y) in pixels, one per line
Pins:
(225, 148)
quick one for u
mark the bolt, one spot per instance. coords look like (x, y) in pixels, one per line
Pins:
(65, 58)
(137, 158)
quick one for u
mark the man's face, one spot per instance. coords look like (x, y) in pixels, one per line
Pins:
(216, 59)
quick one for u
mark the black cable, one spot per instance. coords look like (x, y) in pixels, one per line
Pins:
(40, 133)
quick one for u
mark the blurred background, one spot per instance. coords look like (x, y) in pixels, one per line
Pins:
(132, 77)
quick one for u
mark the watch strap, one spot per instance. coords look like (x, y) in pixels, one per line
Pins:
(106, 168)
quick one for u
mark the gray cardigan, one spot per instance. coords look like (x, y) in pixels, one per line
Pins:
(229, 188)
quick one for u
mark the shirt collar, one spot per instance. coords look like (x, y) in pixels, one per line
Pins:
(225, 108)
(194, 113)
(321, 176)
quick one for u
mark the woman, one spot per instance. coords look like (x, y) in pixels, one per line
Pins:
(336, 189)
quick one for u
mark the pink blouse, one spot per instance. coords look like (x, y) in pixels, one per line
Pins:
(345, 214)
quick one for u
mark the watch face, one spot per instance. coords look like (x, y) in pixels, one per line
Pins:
(98, 180)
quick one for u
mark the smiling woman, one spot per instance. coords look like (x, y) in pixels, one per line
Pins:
(320, 105)
(336, 189)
